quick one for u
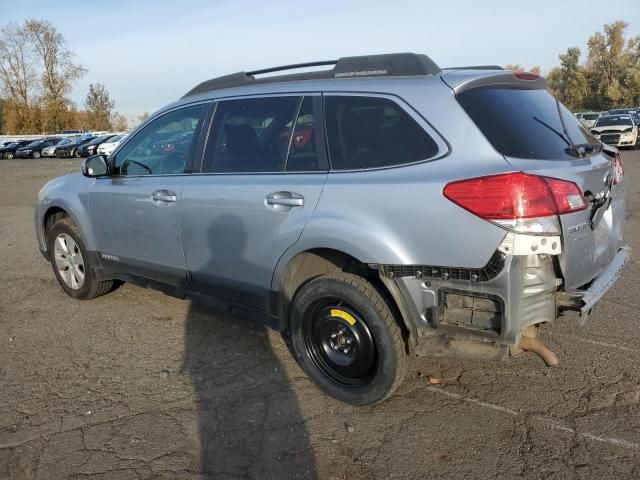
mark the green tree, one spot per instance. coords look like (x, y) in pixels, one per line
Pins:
(572, 85)
(612, 67)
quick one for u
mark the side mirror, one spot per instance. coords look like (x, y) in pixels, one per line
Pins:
(94, 166)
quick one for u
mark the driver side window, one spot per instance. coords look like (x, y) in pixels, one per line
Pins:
(162, 147)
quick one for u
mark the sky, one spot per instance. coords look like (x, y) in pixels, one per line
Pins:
(149, 53)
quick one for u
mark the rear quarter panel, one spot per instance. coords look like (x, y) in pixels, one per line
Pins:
(399, 215)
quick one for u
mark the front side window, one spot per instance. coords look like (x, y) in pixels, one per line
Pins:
(251, 135)
(162, 147)
(371, 132)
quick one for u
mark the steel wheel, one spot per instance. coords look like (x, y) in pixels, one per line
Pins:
(69, 261)
(340, 344)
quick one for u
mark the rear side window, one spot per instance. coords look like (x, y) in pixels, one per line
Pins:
(524, 123)
(370, 132)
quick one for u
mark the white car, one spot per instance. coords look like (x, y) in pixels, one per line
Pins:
(107, 147)
(588, 119)
(616, 130)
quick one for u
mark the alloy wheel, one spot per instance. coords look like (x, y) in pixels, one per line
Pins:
(69, 261)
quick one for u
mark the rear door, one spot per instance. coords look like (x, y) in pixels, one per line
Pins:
(536, 134)
(262, 174)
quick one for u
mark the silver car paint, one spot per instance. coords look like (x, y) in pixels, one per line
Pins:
(354, 212)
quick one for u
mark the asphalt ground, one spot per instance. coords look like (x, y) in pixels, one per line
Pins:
(137, 384)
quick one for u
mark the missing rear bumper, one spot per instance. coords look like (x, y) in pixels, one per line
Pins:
(584, 300)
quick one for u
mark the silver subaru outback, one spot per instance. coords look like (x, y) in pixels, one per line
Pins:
(380, 208)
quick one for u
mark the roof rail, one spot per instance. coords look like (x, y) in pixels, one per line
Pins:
(476, 67)
(389, 65)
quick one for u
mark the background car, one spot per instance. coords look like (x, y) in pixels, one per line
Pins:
(34, 149)
(9, 151)
(588, 118)
(50, 151)
(108, 147)
(71, 149)
(634, 112)
(617, 130)
(91, 147)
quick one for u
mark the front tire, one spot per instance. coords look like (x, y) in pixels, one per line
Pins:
(347, 340)
(75, 153)
(71, 263)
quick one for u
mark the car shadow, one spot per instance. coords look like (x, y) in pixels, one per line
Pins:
(249, 421)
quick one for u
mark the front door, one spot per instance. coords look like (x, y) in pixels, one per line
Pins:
(263, 172)
(135, 211)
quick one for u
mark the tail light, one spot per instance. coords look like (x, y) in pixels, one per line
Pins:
(618, 171)
(518, 201)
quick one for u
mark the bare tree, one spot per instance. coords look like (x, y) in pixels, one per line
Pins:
(59, 70)
(99, 106)
(119, 122)
(18, 77)
(143, 117)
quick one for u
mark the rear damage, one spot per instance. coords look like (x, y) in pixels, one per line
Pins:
(563, 245)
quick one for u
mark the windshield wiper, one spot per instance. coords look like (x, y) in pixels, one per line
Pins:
(576, 149)
(544, 124)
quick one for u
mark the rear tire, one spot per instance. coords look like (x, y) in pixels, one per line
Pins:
(8, 155)
(71, 263)
(347, 340)
(36, 155)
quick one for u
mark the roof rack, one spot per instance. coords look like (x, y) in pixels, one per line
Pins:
(476, 67)
(385, 65)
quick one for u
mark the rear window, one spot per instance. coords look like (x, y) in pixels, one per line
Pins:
(590, 116)
(524, 123)
(370, 132)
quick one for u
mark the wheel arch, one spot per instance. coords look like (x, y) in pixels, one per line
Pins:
(54, 212)
(296, 269)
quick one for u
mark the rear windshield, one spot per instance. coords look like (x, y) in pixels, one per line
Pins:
(524, 123)
(613, 120)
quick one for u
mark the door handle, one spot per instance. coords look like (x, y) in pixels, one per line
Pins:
(285, 199)
(164, 196)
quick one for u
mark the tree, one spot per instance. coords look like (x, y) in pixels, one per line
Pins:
(18, 77)
(59, 71)
(99, 106)
(143, 117)
(612, 66)
(3, 103)
(119, 122)
(572, 87)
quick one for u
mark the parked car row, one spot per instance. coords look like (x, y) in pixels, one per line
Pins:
(618, 127)
(82, 145)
